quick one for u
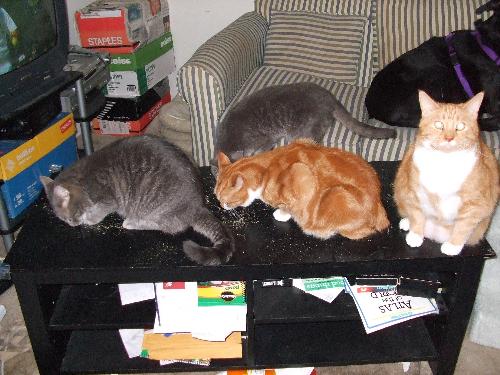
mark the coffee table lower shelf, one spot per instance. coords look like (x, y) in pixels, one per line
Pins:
(103, 352)
(338, 343)
(275, 345)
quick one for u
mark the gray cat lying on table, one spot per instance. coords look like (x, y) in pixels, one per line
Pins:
(147, 181)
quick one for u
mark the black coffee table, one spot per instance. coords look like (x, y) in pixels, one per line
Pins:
(66, 279)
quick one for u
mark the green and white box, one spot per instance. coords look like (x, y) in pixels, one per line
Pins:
(132, 74)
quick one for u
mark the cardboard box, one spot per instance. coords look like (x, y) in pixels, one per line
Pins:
(133, 48)
(132, 74)
(20, 155)
(129, 116)
(23, 189)
(111, 23)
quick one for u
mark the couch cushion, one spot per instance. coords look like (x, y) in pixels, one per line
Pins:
(394, 149)
(492, 140)
(317, 44)
(387, 149)
(333, 7)
(402, 25)
(349, 95)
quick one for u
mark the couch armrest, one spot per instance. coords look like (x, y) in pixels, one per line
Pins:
(210, 79)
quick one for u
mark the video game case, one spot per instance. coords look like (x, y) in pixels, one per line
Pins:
(419, 288)
(376, 280)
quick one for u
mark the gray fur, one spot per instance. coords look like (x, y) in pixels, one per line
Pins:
(298, 110)
(151, 184)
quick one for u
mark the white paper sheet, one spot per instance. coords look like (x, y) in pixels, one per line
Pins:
(178, 311)
(131, 293)
(177, 303)
(325, 288)
(132, 340)
(215, 323)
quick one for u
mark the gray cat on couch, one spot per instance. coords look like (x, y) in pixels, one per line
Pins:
(291, 111)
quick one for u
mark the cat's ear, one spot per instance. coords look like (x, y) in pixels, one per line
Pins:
(473, 104)
(46, 182)
(222, 160)
(62, 194)
(427, 104)
(239, 182)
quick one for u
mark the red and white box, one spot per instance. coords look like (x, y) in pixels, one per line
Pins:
(113, 23)
(130, 116)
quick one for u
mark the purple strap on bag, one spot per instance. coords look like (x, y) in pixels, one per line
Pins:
(456, 64)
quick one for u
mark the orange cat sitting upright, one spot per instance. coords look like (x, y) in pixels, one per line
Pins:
(447, 185)
(325, 190)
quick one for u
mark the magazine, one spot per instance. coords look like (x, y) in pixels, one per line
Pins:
(380, 306)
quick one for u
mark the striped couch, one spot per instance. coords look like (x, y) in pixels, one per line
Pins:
(338, 44)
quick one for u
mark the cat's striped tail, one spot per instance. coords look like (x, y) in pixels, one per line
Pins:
(223, 243)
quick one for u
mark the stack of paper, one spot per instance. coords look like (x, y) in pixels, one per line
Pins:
(195, 322)
(380, 306)
(183, 345)
(209, 311)
(138, 342)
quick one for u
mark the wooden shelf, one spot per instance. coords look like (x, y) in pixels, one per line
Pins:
(103, 352)
(91, 306)
(291, 305)
(340, 343)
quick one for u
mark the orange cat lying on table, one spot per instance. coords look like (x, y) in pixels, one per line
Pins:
(325, 190)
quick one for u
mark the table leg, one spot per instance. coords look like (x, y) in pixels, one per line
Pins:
(458, 318)
(47, 357)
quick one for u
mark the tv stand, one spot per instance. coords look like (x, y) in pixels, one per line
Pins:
(30, 111)
(29, 121)
(67, 280)
(33, 115)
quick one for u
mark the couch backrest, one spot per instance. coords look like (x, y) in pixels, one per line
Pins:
(351, 12)
(401, 25)
(333, 7)
(395, 26)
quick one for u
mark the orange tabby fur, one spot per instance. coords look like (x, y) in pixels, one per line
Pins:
(325, 190)
(447, 185)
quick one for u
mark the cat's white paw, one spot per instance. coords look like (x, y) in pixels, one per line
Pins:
(404, 224)
(128, 224)
(450, 249)
(280, 215)
(87, 219)
(414, 240)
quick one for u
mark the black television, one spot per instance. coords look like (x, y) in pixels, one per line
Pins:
(34, 43)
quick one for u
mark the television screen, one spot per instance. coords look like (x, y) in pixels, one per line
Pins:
(27, 31)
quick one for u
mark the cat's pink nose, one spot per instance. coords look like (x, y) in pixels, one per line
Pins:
(449, 138)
